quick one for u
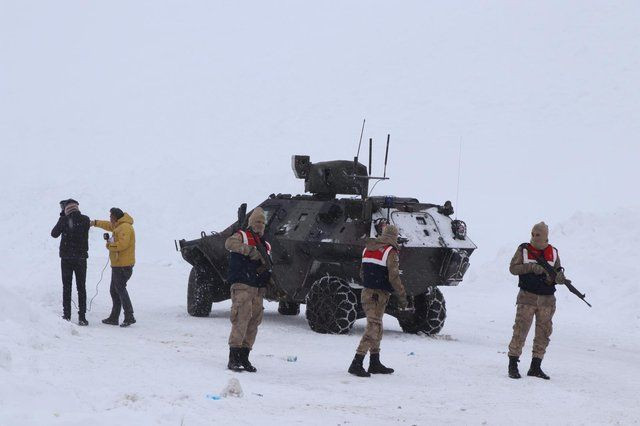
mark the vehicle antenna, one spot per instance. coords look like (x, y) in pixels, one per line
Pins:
(459, 167)
(370, 154)
(355, 160)
(386, 156)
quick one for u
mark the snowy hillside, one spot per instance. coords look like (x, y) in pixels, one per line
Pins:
(180, 112)
(597, 250)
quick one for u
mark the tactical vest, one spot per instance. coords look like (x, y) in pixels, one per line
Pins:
(375, 273)
(244, 270)
(537, 283)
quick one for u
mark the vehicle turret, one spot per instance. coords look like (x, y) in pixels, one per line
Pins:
(330, 178)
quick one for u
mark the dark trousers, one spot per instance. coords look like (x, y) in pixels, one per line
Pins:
(69, 268)
(119, 294)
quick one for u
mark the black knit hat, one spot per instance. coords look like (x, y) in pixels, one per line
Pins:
(63, 203)
(116, 212)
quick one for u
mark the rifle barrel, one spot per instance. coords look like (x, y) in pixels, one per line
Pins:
(553, 275)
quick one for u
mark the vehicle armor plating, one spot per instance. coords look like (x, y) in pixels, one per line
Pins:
(317, 242)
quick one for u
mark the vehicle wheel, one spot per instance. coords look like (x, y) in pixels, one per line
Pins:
(288, 308)
(331, 306)
(430, 313)
(199, 300)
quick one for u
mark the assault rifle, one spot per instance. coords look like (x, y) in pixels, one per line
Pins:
(262, 249)
(540, 260)
(242, 213)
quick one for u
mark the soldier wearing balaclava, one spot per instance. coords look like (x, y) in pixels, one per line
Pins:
(380, 272)
(248, 274)
(535, 298)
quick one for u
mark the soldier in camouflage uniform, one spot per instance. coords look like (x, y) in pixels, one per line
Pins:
(249, 274)
(535, 299)
(380, 277)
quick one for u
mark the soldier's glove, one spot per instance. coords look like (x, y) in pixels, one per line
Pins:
(402, 302)
(537, 269)
(560, 278)
(254, 254)
(246, 249)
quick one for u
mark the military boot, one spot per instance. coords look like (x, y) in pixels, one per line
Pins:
(234, 359)
(244, 360)
(376, 367)
(82, 320)
(356, 367)
(513, 367)
(535, 369)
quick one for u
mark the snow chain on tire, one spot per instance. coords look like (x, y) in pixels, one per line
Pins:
(430, 314)
(331, 306)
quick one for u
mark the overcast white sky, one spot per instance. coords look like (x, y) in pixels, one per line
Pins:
(180, 111)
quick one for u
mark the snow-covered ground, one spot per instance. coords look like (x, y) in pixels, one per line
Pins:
(161, 370)
(179, 112)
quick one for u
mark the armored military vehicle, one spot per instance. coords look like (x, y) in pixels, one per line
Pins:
(317, 241)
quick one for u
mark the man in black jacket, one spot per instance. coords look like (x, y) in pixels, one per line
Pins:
(74, 248)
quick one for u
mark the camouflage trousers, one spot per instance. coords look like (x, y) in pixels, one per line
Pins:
(246, 314)
(528, 306)
(374, 303)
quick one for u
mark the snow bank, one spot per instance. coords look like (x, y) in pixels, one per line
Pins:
(598, 251)
(27, 328)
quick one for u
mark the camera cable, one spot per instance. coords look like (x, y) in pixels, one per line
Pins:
(95, 295)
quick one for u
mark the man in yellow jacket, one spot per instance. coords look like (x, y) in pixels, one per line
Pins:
(122, 253)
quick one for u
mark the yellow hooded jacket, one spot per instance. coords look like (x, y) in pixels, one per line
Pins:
(122, 251)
